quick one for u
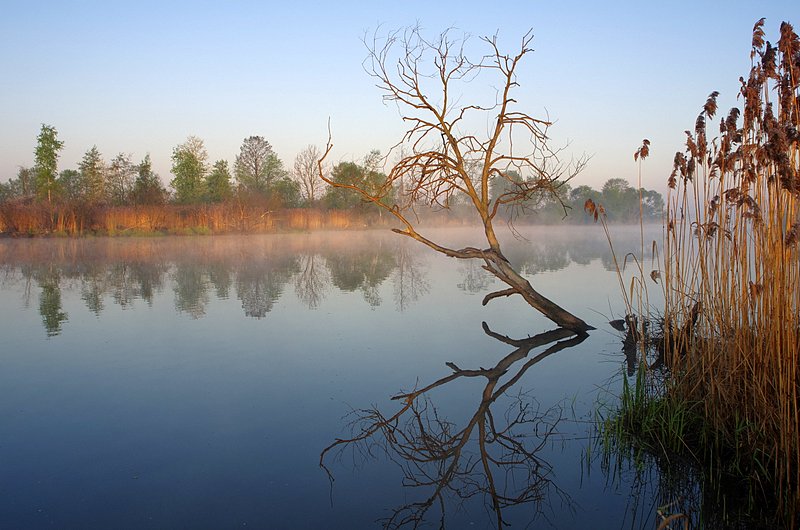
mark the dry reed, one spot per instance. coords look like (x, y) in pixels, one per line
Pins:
(731, 269)
(31, 218)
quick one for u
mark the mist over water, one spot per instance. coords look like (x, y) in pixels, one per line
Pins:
(193, 382)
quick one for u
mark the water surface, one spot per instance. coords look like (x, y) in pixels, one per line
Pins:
(194, 382)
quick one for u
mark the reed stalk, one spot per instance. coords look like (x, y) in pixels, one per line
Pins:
(731, 281)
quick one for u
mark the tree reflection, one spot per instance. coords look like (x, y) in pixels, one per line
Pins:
(313, 281)
(410, 281)
(258, 269)
(491, 455)
(191, 290)
(260, 285)
(475, 279)
(50, 307)
(363, 270)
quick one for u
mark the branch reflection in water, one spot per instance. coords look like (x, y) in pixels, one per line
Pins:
(492, 455)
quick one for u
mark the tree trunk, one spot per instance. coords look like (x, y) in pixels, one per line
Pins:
(500, 267)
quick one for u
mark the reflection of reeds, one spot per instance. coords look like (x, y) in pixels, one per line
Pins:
(731, 275)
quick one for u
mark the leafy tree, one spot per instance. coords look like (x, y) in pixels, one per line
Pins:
(344, 173)
(189, 167)
(349, 175)
(93, 176)
(47, 151)
(147, 189)
(257, 166)
(306, 172)
(578, 197)
(652, 204)
(620, 200)
(121, 177)
(218, 182)
(7, 191)
(26, 179)
(21, 186)
(70, 185)
(287, 192)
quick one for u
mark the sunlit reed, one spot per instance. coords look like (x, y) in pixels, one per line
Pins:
(731, 270)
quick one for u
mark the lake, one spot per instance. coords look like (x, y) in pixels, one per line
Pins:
(193, 382)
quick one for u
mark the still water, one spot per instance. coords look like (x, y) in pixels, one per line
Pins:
(195, 382)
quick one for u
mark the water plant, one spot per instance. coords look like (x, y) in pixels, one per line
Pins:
(730, 327)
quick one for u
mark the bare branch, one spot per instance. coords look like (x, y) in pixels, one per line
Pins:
(445, 160)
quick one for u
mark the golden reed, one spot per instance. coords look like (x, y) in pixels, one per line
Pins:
(731, 272)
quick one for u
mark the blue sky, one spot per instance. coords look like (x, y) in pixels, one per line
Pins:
(139, 77)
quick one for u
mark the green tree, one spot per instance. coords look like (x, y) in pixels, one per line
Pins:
(147, 189)
(189, 167)
(26, 178)
(340, 198)
(349, 175)
(70, 185)
(93, 176)
(578, 197)
(257, 166)
(21, 186)
(218, 182)
(621, 201)
(47, 151)
(652, 205)
(7, 191)
(286, 191)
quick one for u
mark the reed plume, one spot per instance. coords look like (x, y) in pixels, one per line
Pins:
(731, 253)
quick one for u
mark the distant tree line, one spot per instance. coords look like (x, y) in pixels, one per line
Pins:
(258, 177)
(622, 202)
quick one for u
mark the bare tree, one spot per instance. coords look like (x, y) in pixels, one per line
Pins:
(120, 175)
(444, 160)
(305, 171)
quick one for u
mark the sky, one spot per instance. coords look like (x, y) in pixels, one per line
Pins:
(139, 77)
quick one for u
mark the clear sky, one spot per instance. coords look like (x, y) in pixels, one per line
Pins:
(139, 77)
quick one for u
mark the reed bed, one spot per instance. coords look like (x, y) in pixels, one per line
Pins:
(729, 329)
(31, 218)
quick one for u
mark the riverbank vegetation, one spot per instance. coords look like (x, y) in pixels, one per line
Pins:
(719, 376)
(257, 193)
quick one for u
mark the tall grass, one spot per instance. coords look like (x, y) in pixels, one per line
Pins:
(731, 278)
(31, 218)
(732, 269)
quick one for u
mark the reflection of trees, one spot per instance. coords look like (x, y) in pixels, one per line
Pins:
(364, 270)
(409, 279)
(259, 285)
(219, 274)
(558, 247)
(50, 307)
(93, 287)
(313, 281)
(475, 279)
(491, 455)
(120, 271)
(191, 290)
(124, 282)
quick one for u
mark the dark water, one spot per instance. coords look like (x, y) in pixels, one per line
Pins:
(194, 382)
